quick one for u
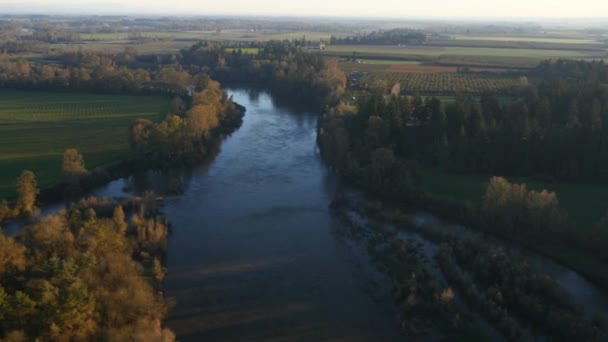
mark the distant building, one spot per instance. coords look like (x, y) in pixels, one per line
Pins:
(321, 46)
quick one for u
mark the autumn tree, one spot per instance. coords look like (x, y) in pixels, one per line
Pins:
(73, 164)
(27, 191)
(159, 271)
(513, 210)
(177, 104)
(12, 256)
(202, 119)
(119, 219)
(75, 277)
(139, 133)
(5, 211)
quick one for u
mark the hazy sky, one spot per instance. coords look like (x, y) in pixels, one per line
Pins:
(374, 8)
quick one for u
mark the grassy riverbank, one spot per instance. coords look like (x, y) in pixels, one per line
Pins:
(470, 188)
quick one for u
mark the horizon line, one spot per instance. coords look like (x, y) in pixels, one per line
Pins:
(293, 16)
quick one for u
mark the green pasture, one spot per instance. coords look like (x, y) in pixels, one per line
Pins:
(246, 51)
(231, 35)
(532, 39)
(36, 128)
(436, 51)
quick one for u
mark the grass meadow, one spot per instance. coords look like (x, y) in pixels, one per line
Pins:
(36, 128)
(471, 188)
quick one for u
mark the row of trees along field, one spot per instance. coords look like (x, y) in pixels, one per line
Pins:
(558, 130)
(555, 130)
(97, 72)
(281, 66)
(86, 274)
(388, 37)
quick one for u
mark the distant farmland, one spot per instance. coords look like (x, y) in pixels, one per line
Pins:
(413, 67)
(458, 55)
(448, 83)
(435, 51)
(36, 128)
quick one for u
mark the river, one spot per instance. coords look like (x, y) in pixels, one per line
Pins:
(255, 253)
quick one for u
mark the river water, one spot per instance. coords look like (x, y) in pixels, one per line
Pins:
(254, 253)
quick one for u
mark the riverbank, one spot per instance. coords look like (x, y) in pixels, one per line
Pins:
(468, 214)
(477, 279)
(135, 164)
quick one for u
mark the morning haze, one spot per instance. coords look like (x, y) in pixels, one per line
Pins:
(338, 8)
(319, 170)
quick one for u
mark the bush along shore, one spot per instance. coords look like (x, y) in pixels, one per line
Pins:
(517, 301)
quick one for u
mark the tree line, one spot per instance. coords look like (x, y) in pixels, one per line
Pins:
(283, 67)
(97, 72)
(383, 37)
(554, 131)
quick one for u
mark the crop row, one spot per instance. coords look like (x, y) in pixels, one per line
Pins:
(442, 83)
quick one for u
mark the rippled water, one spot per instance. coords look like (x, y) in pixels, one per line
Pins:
(252, 256)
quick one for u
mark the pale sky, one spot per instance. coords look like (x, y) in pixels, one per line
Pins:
(337, 8)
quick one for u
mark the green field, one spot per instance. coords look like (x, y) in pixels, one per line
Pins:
(586, 212)
(246, 51)
(110, 46)
(231, 35)
(528, 39)
(436, 51)
(172, 42)
(36, 127)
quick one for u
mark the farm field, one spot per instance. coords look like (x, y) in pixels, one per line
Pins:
(36, 128)
(247, 51)
(233, 35)
(436, 51)
(172, 42)
(459, 56)
(409, 67)
(527, 39)
(447, 83)
(151, 47)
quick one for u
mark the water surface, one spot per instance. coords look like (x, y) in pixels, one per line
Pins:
(253, 255)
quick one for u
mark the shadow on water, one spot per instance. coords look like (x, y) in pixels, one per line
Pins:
(252, 256)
